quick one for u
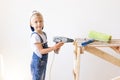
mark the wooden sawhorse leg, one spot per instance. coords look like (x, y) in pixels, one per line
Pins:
(76, 71)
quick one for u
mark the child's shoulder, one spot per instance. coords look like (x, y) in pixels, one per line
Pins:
(33, 34)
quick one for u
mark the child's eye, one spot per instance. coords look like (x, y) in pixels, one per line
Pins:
(35, 21)
(40, 21)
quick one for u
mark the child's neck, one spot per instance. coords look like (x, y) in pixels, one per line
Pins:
(39, 32)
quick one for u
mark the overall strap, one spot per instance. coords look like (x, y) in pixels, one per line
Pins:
(38, 35)
(45, 34)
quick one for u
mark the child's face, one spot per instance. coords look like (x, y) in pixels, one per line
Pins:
(37, 23)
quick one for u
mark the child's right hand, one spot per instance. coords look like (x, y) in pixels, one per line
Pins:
(58, 45)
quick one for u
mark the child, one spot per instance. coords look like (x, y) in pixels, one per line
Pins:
(40, 47)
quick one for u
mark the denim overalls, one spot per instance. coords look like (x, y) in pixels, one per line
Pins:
(38, 65)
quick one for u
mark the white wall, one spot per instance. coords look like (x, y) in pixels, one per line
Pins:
(70, 18)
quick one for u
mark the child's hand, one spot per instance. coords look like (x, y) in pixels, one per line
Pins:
(57, 50)
(58, 45)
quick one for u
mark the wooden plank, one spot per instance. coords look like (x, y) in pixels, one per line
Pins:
(116, 78)
(76, 70)
(103, 55)
(78, 64)
(113, 42)
(116, 49)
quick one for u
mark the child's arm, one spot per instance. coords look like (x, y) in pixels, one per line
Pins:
(47, 50)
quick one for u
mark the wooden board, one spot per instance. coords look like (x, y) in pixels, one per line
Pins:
(103, 55)
(113, 42)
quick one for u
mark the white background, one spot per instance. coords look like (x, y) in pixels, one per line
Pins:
(68, 18)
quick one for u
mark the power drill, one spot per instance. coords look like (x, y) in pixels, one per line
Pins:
(62, 39)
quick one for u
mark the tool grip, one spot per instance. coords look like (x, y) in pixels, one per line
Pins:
(87, 42)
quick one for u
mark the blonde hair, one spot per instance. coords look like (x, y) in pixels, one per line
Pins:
(35, 13)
